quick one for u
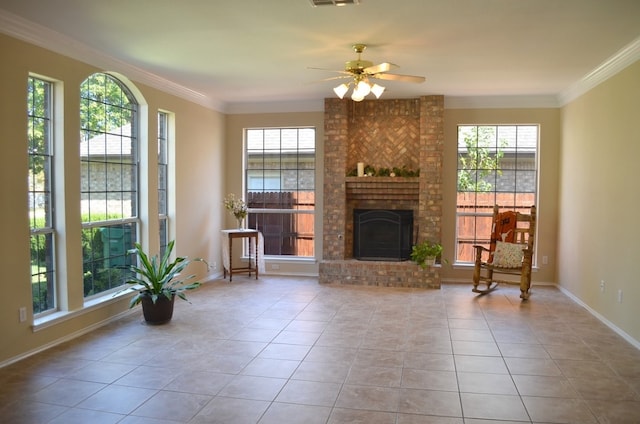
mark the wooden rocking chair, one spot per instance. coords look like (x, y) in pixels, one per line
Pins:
(510, 251)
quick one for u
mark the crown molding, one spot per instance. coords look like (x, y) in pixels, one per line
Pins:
(501, 102)
(314, 105)
(450, 102)
(32, 33)
(616, 63)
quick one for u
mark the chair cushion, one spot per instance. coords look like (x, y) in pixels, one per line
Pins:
(508, 255)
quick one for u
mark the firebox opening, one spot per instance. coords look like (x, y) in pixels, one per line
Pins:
(382, 234)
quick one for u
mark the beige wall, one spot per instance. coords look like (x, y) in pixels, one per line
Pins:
(549, 147)
(235, 125)
(195, 212)
(600, 199)
(549, 120)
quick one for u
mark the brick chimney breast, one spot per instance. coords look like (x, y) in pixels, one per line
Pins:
(384, 133)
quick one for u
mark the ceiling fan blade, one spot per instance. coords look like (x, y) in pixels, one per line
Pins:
(396, 77)
(329, 70)
(336, 78)
(339, 79)
(382, 67)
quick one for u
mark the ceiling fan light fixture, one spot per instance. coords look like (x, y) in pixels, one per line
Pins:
(377, 90)
(363, 88)
(356, 97)
(361, 71)
(341, 90)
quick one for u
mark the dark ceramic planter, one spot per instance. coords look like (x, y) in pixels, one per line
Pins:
(157, 313)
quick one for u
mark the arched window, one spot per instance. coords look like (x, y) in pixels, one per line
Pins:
(109, 181)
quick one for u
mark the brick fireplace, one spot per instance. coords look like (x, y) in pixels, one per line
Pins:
(381, 133)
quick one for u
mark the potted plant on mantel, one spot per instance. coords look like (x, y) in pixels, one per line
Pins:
(158, 282)
(425, 253)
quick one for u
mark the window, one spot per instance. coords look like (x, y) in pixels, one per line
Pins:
(163, 174)
(497, 164)
(280, 178)
(109, 181)
(40, 186)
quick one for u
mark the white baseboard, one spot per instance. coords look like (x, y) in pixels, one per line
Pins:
(635, 343)
(66, 338)
(600, 317)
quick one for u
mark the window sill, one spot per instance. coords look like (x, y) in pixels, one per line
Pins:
(58, 317)
(459, 265)
(288, 259)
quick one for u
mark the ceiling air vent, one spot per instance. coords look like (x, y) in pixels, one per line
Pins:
(316, 3)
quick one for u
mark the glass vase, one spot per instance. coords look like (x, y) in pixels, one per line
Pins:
(240, 223)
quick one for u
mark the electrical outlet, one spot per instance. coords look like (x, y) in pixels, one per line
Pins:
(545, 260)
(619, 296)
(275, 266)
(601, 286)
(215, 265)
(23, 314)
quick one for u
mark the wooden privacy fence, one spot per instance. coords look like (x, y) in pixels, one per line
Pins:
(285, 233)
(292, 234)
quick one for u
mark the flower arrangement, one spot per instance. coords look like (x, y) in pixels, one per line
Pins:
(236, 207)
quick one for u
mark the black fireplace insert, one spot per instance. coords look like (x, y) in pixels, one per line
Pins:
(382, 234)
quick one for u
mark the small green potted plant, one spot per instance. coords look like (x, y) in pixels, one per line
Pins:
(158, 282)
(425, 253)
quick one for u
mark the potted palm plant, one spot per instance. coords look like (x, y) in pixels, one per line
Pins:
(425, 253)
(158, 282)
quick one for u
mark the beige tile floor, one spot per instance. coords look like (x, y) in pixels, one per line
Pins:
(288, 350)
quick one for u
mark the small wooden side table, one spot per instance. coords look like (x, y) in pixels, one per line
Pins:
(241, 234)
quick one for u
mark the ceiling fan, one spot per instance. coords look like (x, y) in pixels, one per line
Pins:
(361, 71)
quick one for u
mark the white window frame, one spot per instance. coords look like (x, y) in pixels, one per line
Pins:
(280, 144)
(512, 187)
(43, 192)
(164, 134)
(120, 232)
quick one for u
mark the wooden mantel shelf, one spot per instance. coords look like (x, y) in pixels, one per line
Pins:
(382, 188)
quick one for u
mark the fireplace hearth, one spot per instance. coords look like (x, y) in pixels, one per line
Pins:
(382, 234)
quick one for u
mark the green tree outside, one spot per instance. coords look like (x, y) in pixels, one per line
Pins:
(104, 105)
(481, 159)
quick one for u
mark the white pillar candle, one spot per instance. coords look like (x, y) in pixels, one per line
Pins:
(360, 169)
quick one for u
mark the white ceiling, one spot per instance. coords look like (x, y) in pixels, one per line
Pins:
(241, 53)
